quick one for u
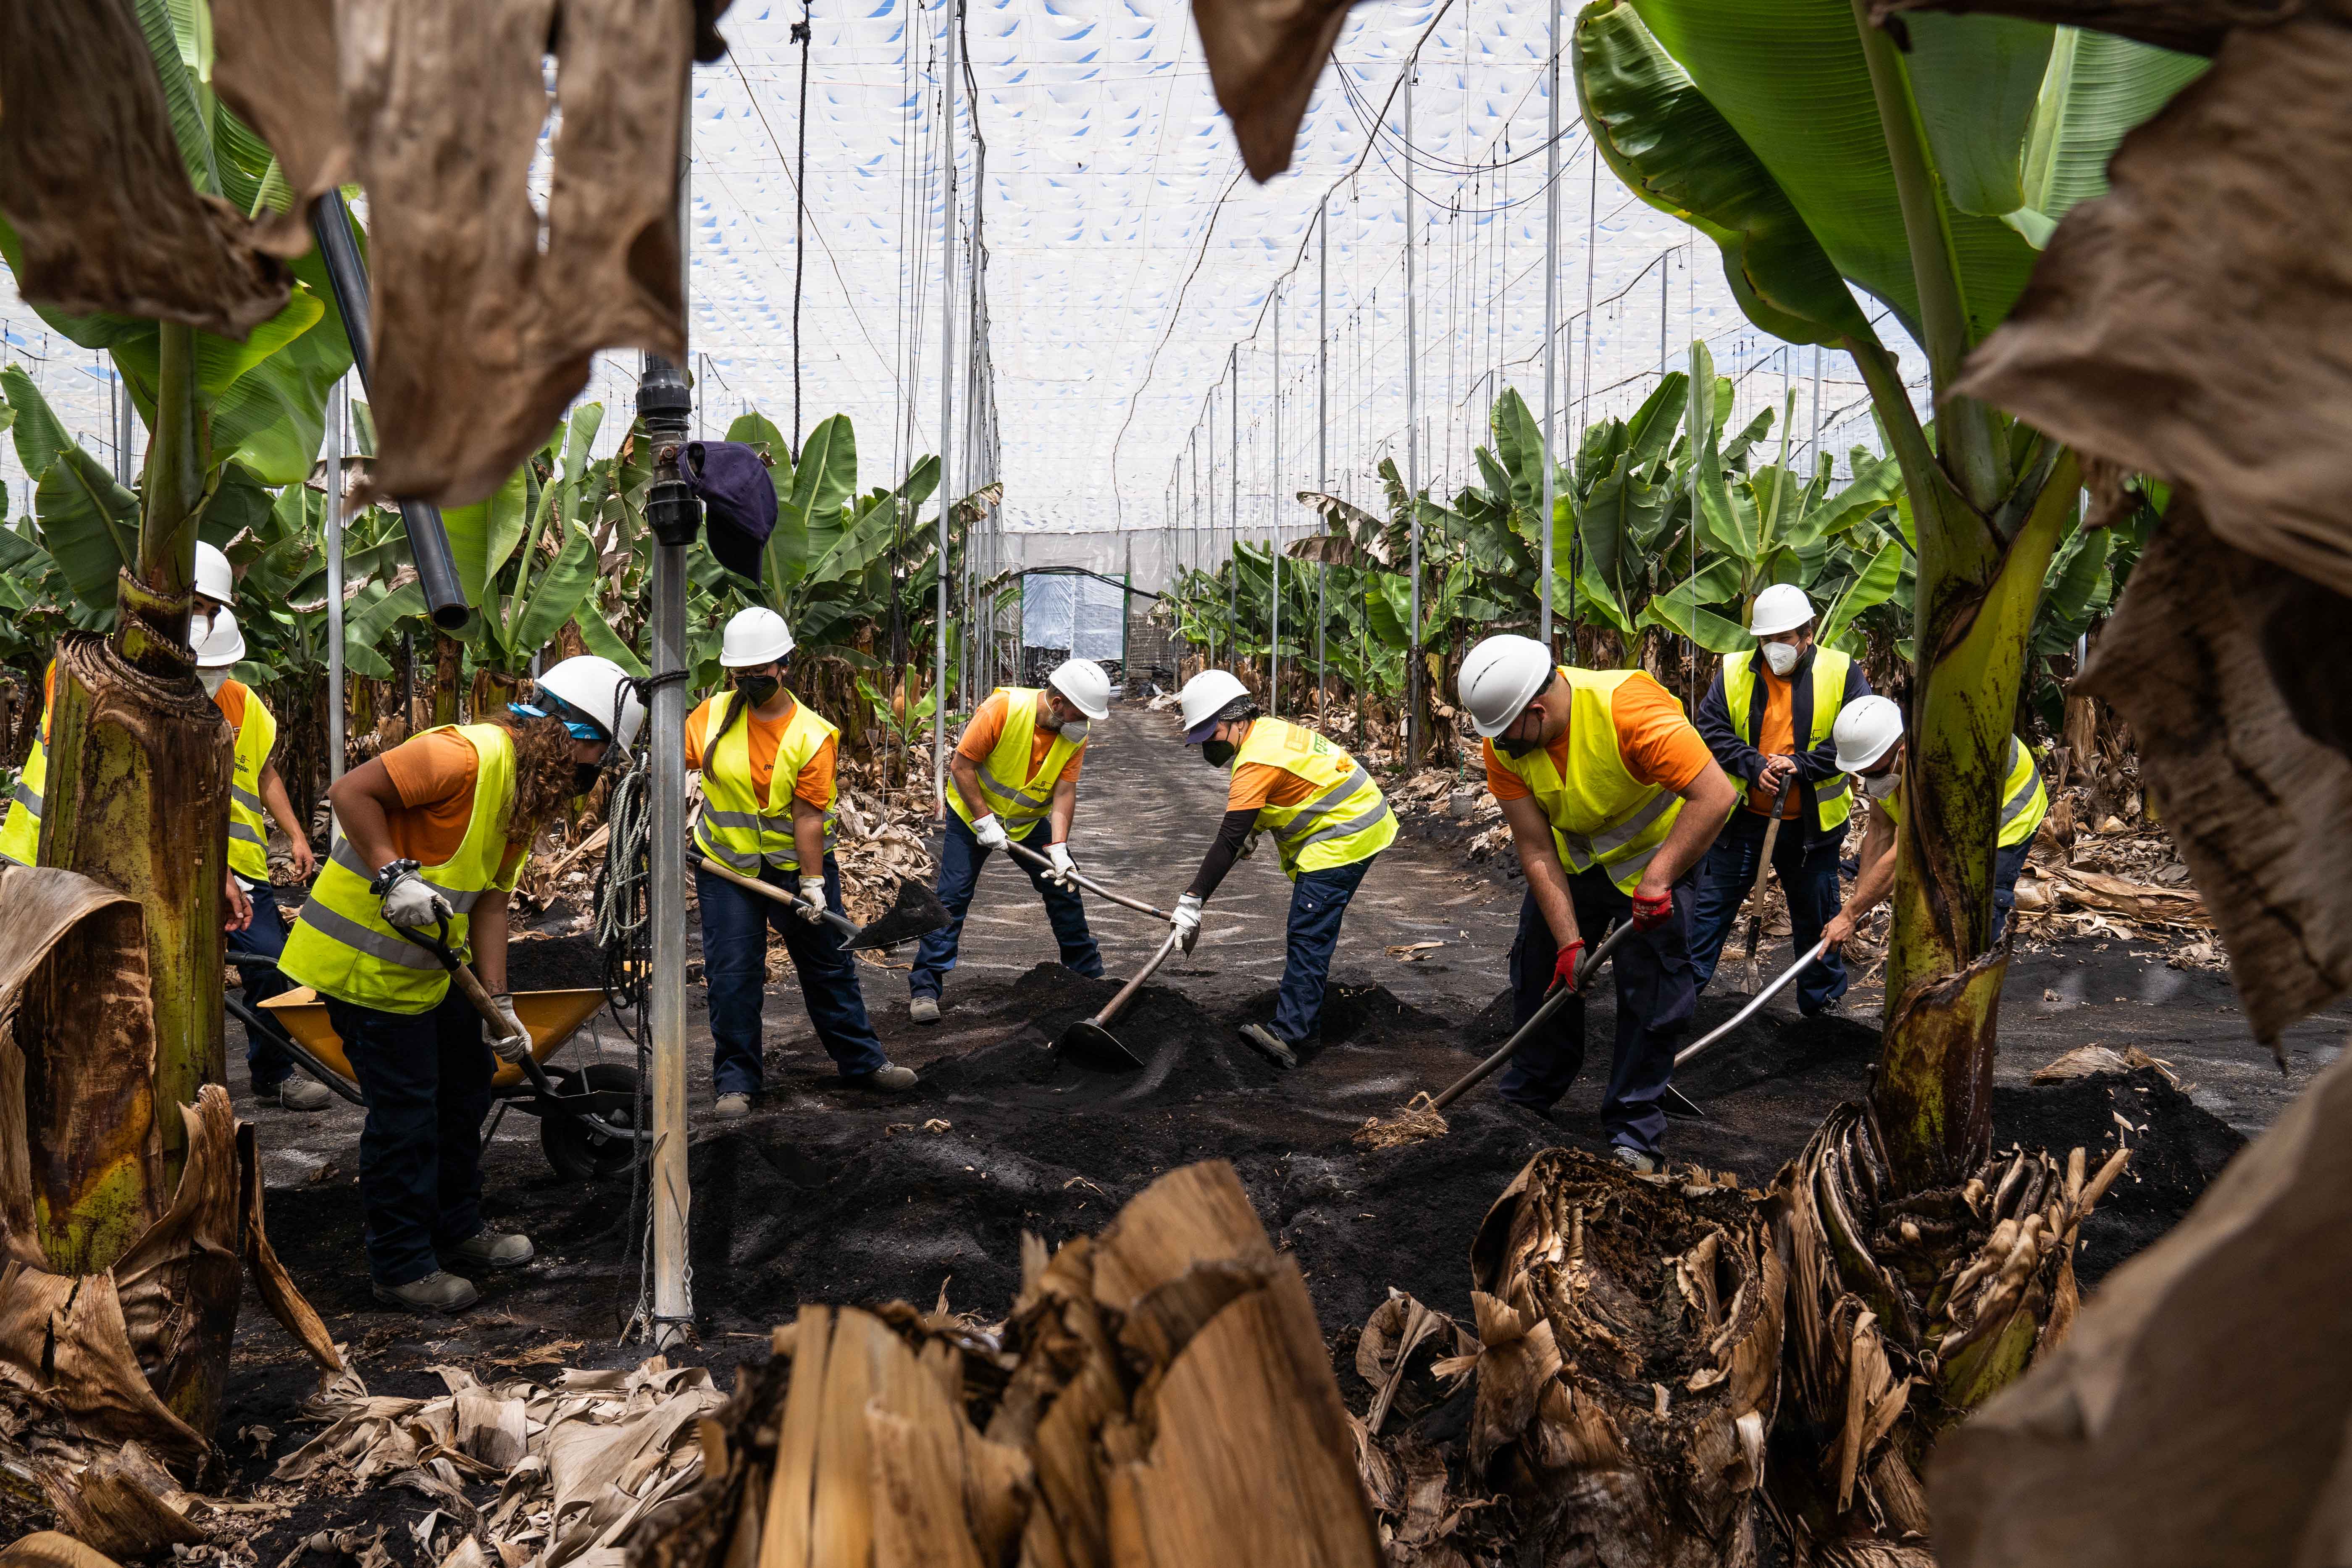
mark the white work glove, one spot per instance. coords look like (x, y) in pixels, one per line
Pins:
(410, 902)
(1065, 869)
(515, 1043)
(812, 906)
(1187, 921)
(989, 832)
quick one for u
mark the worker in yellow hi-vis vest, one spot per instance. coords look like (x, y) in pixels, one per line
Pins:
(1613, 799)
(255, 789)
(1328, 821)
(1015, 779)
(767, 792)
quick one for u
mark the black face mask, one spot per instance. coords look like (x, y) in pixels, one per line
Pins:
(1517, 748)
(1217, 753)
(758, 690)
(584, 776)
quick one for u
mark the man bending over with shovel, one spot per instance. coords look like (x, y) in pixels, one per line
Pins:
(1594, 770)
(1329, 820)
(1014, 780)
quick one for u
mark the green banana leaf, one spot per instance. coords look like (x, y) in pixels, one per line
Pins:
(1871, 587)
(483, 536)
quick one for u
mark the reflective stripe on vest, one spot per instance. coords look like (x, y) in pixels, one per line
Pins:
(736, 827)
(1826, 676)
(1599, 814)
(20, 832)
(248, 829)
(1347, 819)
(341, 946)
(2023, 801)
(1017, 793)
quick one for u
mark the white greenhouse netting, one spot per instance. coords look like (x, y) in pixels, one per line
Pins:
(1166, 352)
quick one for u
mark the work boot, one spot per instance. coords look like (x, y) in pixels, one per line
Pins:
(487, 1249)
(923, 1009)
(889, 1077)
(295, 1094)
(732, 1107)
(437, 1292)
(1634, 1160)
(1269, 1044)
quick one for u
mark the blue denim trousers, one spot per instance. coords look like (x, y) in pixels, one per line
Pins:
(1809, 879)
(266, 1062)
(960, 859)
(1318, 900)
(735, 925)
(427, 1076)
(1655, 999)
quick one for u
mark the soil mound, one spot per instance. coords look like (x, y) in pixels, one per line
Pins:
(1775, 1046)
(554, 964)
(2178, 1148)
(1186, 1051)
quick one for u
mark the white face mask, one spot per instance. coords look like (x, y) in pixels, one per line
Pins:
(213, 680)
(1782, 658)
(1879, 786)
(1074, 730)
(200, 627)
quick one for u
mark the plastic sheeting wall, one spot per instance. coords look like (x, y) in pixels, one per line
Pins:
(1080, 615)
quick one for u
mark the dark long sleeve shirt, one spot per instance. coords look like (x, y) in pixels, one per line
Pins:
(1736, 751)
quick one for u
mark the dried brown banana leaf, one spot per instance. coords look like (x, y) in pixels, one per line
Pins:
(1264, 59)
(2191, 27)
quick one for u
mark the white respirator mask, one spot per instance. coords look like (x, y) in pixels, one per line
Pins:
(1780, 658)
(1879, 786)
(1074, 730)
(213, 680)
(200, 627)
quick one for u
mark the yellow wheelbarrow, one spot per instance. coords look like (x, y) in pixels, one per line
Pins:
(587, 1115)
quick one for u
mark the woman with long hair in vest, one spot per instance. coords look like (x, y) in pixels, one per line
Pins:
(768, 792)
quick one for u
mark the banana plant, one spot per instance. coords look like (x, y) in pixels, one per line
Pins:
(525, 557)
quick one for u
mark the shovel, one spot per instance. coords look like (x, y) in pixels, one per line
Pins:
(1023, 852)
(1753, 971)
(916, 912)
(462, 975)
(1090, 1039)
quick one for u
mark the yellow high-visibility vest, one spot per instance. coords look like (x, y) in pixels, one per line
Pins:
(1599, 814)
(342, 947)
(1347, 819)
(736, 827)
(1828, 677)
(20, 833)
(249, 828)
(1019, 795)
(2023, 801)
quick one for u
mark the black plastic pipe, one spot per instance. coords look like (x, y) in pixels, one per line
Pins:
(428, 542)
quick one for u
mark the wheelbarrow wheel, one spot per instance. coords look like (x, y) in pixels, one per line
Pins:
(575, 1152)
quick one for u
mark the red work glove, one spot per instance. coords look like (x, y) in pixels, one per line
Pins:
(1651, 912)
(1563, 968)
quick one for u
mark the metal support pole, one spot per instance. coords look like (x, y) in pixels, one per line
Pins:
(335, 739)
(1816, 442)
(1322, 444)
(1233, 502)
(1550, 322)
(1412, 670)
(1274, 531)
(947, 402)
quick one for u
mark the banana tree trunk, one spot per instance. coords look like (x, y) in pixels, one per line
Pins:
(448, 670)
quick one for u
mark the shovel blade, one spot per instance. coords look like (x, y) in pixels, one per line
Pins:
(1090, 1045)
(916, 912)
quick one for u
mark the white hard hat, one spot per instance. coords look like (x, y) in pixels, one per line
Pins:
(754, 637)
(599, 690)
(1500, 678)
(1204, 697)
(1082, 680)
(1867, 729)
(214, 578)
(223, 646)
(1782, 607)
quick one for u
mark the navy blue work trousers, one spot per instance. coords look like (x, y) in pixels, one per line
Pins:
(1656, 996)
(2006, 864)
(1809, 879)
(735, 925)
(427, 1076)
(266, 1062)
(960, 859)
(1318, 900)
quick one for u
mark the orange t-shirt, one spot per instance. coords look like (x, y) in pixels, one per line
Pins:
(815, 784)
(987, 726)
(1776, 738)
(1659, 746)
(435, 775)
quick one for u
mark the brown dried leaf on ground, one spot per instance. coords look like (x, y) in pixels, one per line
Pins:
(1159, 1397)
(2092, 1061)
(2254, 802)
(92, 178)
(482, 335)
(49, 1549)
(2201, 1412)
(2177, 325)
(1629, 1332)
